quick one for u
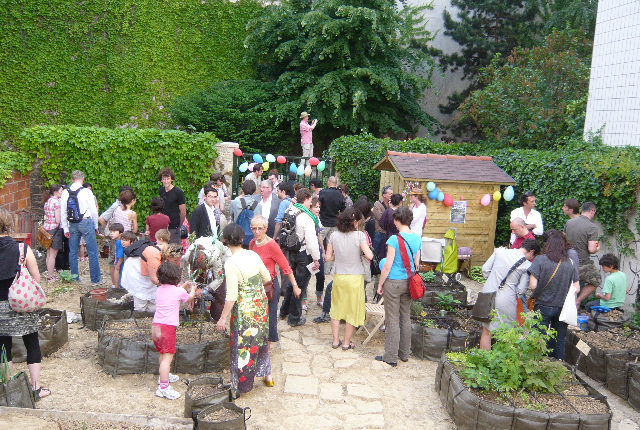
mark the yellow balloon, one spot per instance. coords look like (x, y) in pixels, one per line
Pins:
(497, 196)
(265, 165)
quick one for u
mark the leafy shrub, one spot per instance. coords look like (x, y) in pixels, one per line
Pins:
(245, 112)
(476, 274)
(447, 302)
(416, 308)
(110, 158)
(428, 276)
(515, 362)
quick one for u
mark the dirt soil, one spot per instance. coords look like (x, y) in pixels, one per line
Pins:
(612, 340)
(458, 320)
(406, 395)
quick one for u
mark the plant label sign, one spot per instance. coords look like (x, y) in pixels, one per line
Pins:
(445, 278)
(583, 347)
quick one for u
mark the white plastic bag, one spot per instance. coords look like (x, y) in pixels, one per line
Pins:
(569, 313)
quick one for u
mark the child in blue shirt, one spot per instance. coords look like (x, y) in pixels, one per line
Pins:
(126, 239)
(115, 231)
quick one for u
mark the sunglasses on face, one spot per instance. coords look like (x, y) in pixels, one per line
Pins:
(257, 228)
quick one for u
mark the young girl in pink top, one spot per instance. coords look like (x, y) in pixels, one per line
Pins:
(165, 321)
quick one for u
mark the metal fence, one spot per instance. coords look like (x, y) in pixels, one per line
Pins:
(283, 171)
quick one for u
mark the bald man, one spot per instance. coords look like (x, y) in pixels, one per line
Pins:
(520, 230)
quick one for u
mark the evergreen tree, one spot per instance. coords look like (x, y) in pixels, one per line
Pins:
(355, 64)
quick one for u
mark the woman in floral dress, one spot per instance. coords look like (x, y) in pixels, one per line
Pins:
(247, 303)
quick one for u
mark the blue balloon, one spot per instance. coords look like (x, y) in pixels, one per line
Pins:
(293, 168)
(300, 170)
(384, 260)
(257, 158)
(243, 167)
(440, 196)
(433, 194)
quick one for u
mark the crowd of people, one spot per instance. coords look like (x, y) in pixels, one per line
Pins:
(278, 234)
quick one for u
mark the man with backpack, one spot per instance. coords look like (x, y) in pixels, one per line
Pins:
(298, 239)
(80, 219)
(243, 207)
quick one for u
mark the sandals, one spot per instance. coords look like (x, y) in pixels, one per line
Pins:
(348, 347)
(41, 393)
(336, 346)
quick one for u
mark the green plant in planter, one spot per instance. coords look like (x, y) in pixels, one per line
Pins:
(516, 361)
(416, 308)
(428, 276)
(476, 274)
(428, 323)
(447, 302)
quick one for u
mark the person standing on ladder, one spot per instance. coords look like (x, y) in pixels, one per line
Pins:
(306, 132)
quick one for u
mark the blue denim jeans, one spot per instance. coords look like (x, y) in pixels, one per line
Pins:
(273, 312)
(86, 229)
(326, 304)
(550, 317)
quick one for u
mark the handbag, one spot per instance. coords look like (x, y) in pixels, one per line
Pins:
(486, 302)
(531, 301)
(44, 238)
(269, 286)
(569, 312)
(416, 283)
(25, 294)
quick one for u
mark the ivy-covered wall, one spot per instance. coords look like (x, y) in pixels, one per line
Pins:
(586, 171)
(110, 63)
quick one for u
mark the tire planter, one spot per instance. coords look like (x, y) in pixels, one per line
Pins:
(95, 312)
(430, 343)
(119, 356)
(455, 288)
(593, 365)
(239, 423)
(194, 404)
(51, 338)
(470, 412)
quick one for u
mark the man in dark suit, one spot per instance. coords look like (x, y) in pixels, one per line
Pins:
(207, 219)
(268, 205)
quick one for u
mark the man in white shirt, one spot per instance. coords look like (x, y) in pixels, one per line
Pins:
(531, 217)
(268, 206)
(86, 227)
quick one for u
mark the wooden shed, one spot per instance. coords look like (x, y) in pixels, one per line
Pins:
(466, 178)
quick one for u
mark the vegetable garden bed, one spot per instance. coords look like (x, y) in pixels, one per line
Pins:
(53, 333)
(118, 306)
(435, 285)
(575, 405)
(126, 347)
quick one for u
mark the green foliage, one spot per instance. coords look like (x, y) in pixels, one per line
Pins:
(428, 323)
(11, 161)
(428, 276)
(111, 158)
(586, 171)
(354, 65)
(537, 96)
(571, 14)
(416, 308)
(63, 288)
(112, 63)
(476, 274)
(447, 302)
(237, 111)
(515, 362)
(67, 277)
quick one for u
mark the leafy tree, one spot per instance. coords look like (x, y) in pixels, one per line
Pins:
(238, 111)
(483, 29)
(535, 98)
(571, 14)
(355, 64)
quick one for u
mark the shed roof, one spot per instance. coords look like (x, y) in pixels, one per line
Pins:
(437, 167)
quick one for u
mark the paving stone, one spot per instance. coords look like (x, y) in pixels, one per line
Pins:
(310, 340)
(319, 421)
(336, 409)
(320, 349)
(361, 390)
(380, 365)
(367, 407)
(323, 372)
(301, 385)
(291, 334)
(365, 421)
(296, 356)
(338, 354)
(321, 360)
(627, 424)
(288, 344)
(292, 368)
(342, 364)
(331, 391)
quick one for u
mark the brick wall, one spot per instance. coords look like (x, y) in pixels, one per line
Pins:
(15, 194)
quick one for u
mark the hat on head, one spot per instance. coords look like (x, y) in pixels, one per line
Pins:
(303, 114)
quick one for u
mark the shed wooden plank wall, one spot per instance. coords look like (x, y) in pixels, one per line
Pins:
(478, 233)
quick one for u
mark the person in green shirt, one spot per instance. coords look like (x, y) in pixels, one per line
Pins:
(615, 285)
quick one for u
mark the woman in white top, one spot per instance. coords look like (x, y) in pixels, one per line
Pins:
(123, 214)
(419, 209)
(245, 275)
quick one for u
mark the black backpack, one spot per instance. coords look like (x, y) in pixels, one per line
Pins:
(73, 207)
(137, 248)
(244, 220)
(287, 237)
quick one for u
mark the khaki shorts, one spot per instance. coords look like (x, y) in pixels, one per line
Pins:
(589, 275)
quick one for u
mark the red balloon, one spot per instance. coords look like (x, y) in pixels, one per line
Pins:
(237, 152)
(448, 200)
(281, 159)
(314, 161)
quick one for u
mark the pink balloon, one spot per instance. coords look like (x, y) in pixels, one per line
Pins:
(448, 200)
(250, 169)
(485, 200)
(281, 159)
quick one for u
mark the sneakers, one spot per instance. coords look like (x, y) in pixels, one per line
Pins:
(324, 317)
(172, 378)
(168, 393)
(300, 322)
